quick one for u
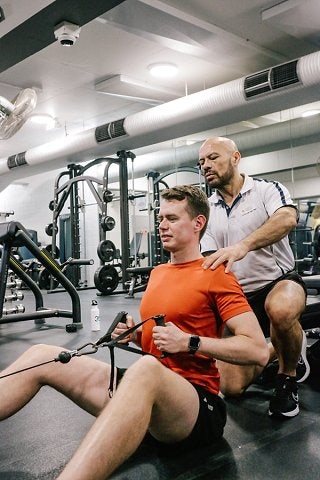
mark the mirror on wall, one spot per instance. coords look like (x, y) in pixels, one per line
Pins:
(305, 238)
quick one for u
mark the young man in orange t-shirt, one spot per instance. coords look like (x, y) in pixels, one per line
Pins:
(171, 394)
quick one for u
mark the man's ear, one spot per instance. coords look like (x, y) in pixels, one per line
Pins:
(200, 222)
(236, 158)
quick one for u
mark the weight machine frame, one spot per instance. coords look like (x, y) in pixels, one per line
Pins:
(121, 161)
(69, 188)
(13, 234)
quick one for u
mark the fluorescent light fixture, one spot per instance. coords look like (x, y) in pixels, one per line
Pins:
(309, 113)
(43, 119)
(135, 90)
(163, 70)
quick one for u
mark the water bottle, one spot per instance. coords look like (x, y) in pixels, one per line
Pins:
(95, 316)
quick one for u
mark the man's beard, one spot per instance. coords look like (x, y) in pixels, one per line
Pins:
(220, 181)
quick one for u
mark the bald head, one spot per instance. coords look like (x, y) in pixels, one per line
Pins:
(228, 144)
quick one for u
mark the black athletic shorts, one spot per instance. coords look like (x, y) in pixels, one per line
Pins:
(257, 299)
(207, 429)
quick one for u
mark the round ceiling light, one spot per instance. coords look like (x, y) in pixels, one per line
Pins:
(163, 70)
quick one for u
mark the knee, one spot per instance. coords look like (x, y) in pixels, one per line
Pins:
(42, 352)
(147, 369)
(285, 304)
(282, 315)
(276, 311)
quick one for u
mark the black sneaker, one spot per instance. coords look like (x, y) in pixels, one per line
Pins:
(285, 400)
(303, 367)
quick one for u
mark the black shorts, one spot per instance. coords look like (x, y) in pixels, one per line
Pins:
(208, 428)
(257, 299)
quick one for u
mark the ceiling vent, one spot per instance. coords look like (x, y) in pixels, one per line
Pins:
(110, 130)
(272, 79)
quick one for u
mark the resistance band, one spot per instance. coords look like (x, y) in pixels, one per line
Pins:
(104, 341)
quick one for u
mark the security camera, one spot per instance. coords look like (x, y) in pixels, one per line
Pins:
(67, 33)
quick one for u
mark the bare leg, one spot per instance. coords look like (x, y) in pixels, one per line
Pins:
(149, 395)
(284, 306)
(235, 379)
(84, 380)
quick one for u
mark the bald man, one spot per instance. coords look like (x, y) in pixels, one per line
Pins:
(248, 230)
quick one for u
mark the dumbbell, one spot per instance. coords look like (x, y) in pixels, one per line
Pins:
(16, 309)
(14, 297)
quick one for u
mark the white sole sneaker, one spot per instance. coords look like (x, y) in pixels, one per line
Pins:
(303, 366)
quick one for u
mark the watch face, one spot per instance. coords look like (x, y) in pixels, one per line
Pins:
(194, 343)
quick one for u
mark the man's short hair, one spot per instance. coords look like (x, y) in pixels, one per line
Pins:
(197, 201)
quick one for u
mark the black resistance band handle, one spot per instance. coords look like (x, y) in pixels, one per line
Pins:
(120, 317)
(159, 319)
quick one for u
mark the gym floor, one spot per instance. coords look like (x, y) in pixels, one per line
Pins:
(37, 441)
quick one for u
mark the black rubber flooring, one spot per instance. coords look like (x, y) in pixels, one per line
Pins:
(38, 441)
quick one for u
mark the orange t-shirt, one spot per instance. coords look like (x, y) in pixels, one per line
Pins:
(197, 301)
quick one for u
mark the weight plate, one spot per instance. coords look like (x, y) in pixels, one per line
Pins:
(44, 280)
(107, 223)
(106, 251)
(49, 229)
(106, 279)
(49, 250)
(107, 196)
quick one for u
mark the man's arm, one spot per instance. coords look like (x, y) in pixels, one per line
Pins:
(273, 230)
(245, 346)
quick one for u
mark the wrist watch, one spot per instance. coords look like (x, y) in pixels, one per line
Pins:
(194, 344)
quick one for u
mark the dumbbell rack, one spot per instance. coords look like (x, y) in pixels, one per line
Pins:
(13, 294)
(13, 234)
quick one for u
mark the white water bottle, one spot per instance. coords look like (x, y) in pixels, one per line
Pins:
(95, 316)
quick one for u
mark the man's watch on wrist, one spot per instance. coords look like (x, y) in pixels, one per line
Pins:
(194, 344)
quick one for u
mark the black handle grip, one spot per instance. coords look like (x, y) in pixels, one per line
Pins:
(120, 317)
(81, 261)
(159, 319)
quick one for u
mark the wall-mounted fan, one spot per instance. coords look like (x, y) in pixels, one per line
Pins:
(14, 114)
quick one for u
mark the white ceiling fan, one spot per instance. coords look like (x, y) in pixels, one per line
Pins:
(14, 114)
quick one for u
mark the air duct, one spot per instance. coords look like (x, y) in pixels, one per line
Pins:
(211, 108)
(279, 136)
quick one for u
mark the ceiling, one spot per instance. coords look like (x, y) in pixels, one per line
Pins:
(104, 76)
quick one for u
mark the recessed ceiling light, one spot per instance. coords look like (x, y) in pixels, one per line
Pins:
(309, 113)
(163, 70)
